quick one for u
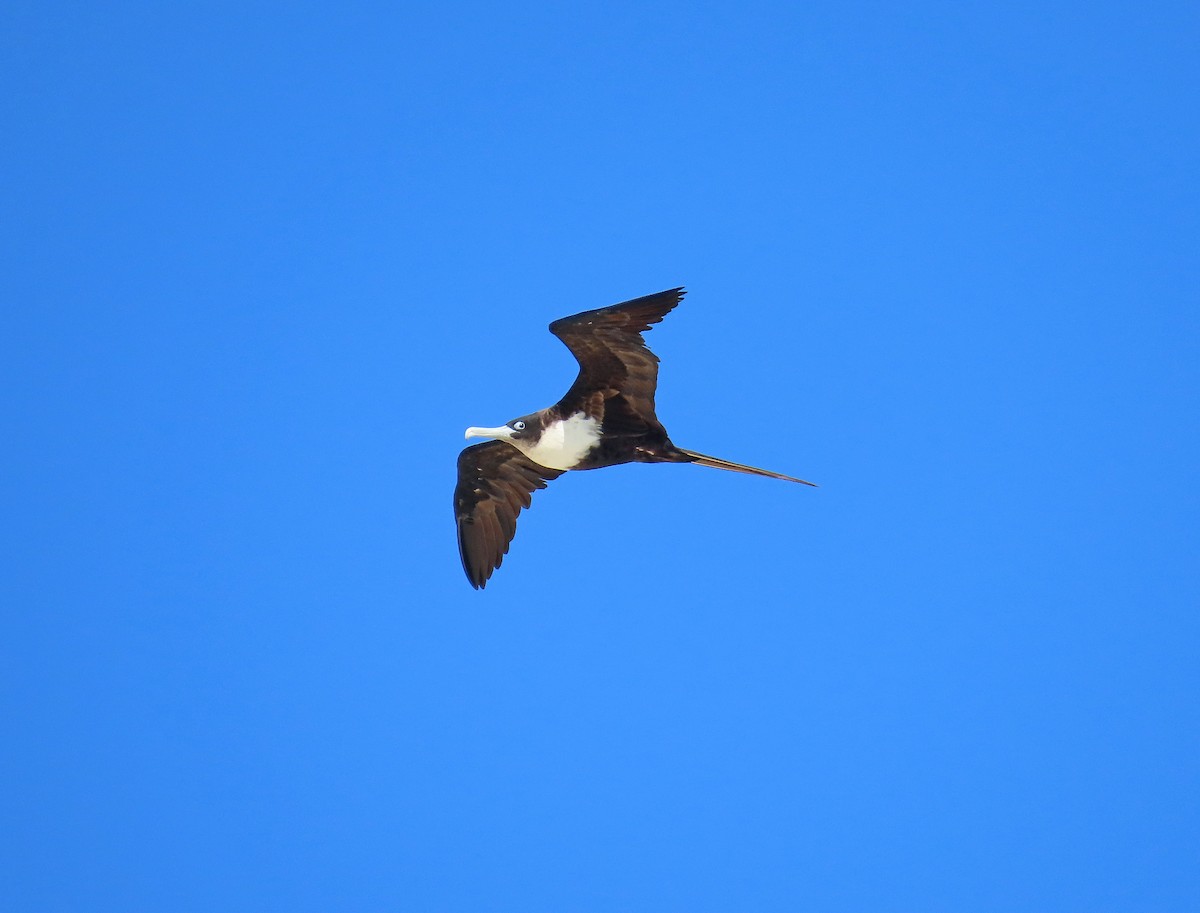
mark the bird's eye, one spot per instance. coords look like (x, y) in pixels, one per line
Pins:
(519, 426)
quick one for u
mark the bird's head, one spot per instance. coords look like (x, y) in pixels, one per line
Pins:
(526, 428)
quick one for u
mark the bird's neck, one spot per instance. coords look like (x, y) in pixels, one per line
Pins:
(564, 442)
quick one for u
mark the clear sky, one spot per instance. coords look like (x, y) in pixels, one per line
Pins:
(262, 264)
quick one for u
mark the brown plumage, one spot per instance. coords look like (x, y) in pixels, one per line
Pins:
(614, 361)
(607, 417)
(495, 480)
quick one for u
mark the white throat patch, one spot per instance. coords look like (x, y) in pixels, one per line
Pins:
(563, 444)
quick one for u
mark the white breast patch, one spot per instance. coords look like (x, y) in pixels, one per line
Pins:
(563, 444)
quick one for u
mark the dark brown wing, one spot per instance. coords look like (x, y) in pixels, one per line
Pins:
(612, 355)
(495, 480)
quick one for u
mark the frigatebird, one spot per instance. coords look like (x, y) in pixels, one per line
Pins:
(606, 418)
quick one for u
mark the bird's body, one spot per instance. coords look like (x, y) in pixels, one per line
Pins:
(606, 418)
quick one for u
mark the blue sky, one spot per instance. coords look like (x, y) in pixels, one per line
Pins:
(263, 263)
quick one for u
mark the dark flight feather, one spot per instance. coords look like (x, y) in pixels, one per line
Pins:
(614, 360)
(495, 480)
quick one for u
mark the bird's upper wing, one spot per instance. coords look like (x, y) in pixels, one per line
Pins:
(612, 355)
(495, 480)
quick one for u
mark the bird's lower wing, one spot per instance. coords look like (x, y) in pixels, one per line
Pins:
(495, 480)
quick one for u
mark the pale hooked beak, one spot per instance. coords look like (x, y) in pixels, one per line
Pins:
(500, 434)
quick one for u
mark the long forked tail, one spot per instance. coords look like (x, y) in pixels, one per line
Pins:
(701, 459)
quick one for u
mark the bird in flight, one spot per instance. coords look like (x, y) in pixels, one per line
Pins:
(606, 418)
